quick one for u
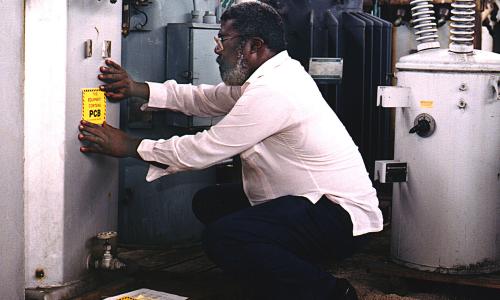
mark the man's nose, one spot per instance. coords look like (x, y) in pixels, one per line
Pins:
(217, 50)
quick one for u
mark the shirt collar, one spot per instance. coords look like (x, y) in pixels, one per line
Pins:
(266, 67)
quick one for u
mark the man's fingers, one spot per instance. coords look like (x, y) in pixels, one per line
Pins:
(115, 96)
(108, 70)
(110, 87)
(88, 124)
(90, 149)
(91, 128)
(118, 84)
(112, 64)
(111, 67)
(111, 77)
(95, 137)
(90, 138)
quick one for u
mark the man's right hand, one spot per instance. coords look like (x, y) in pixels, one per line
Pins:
(119, 85)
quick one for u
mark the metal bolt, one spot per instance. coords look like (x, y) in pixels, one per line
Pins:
(462, 104)
(463, 87)
(39, 274)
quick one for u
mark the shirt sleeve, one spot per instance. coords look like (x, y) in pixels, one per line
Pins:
(259, 113)
(202, 100)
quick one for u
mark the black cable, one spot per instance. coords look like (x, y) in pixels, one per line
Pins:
(141, 25)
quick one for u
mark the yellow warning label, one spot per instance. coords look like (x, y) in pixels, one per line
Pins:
(93, 105)
(426, 104)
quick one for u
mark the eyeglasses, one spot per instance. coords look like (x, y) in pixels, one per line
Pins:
(219, 46)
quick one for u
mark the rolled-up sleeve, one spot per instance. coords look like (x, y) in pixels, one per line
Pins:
(258, 114)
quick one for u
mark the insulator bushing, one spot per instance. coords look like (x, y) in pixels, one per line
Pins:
(424, 23)
(462, 26)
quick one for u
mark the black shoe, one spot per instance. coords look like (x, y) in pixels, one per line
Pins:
(344, 290)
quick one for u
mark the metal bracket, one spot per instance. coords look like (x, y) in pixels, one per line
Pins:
(106, 49)
(393, 96)
(127, 7)
(125, 17)
(87, 49)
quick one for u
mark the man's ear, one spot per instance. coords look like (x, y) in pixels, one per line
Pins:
(256, 44)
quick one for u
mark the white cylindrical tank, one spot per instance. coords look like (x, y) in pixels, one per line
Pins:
(446, 217)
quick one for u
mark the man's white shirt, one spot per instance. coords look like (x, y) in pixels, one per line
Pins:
(289, 139)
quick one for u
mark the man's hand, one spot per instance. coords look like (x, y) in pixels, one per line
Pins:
(119, 85)
(107, 140)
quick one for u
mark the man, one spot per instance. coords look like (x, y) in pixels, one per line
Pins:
(306, 196)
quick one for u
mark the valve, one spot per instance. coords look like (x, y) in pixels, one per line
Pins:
(424, 125)
(107, 261)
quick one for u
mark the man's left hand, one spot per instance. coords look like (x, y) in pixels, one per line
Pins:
(107, 140)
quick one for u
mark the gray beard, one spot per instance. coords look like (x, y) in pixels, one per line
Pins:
(236, 75)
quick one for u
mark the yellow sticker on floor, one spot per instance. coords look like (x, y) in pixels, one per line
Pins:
(93, 105)
(426, 104)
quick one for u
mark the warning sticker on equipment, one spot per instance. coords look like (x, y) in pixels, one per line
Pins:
(93, 105)
(426, 104)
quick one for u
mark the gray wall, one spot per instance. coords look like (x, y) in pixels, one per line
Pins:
(11, 151)
(157, 213)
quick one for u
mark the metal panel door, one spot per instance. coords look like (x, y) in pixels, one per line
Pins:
(204, 68)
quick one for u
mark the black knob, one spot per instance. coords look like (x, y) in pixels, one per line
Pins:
(422, 128)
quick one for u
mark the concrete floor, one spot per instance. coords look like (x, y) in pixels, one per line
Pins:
(187, 271)
(364, 272)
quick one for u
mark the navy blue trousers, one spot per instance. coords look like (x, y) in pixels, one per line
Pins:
(276, 247)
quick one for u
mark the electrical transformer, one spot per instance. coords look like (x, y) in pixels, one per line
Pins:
(446, 208)
(446, 217)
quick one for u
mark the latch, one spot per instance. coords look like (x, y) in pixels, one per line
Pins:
(388, 171)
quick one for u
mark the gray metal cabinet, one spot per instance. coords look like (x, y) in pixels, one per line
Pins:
(191, 59)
